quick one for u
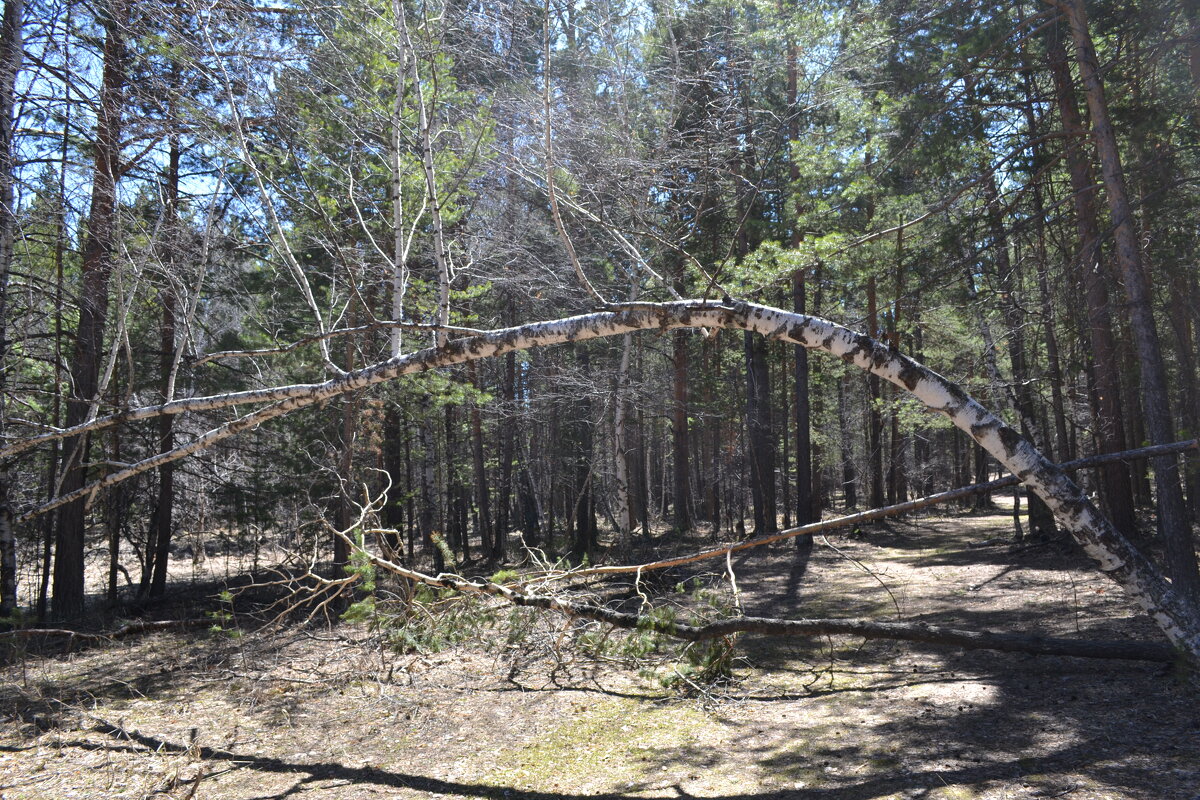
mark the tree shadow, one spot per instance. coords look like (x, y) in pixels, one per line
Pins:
(845, 720)
(979, 745)
(798, 569)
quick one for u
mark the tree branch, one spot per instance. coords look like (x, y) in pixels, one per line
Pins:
(886, 511)
(1116, 557)
(868, 629)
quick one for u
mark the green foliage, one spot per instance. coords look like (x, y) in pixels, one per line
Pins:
(504, 576)
(660, 656)
(363, 609)
(436, 619)
(224, 621)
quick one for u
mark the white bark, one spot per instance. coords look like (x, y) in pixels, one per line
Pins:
(399, 246)
(621, 442)
(1178, 619)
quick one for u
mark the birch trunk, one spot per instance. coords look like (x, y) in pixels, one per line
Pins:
(1116, 557)
(441, 251)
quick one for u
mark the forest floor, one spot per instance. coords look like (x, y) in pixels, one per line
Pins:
(535, 708)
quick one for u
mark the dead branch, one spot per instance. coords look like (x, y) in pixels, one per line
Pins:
(128, 629)
(1114, 554)
(292, 346)
(867, 629)
(863, 517)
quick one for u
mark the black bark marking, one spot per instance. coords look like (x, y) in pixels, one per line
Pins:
(981, 429)
(961, 398)
(910, 374)
(1011, 440)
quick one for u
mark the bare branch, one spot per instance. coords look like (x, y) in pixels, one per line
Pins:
(549, 138)
(373, 326)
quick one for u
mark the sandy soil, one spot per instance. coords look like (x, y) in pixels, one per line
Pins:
(531, 710)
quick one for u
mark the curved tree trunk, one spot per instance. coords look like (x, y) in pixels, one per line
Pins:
(1116, 557)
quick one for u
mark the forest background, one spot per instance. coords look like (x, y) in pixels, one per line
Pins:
(206, 202)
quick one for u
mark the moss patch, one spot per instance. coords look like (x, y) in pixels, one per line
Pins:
(612, 745)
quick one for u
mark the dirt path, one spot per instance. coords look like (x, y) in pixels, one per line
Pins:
(333, 715)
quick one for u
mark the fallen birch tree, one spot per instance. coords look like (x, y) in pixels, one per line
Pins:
(1114, 555)
(803, 628)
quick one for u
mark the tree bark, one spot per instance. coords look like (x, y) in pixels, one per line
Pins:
(804, 460)
(849, 476)
(395, 456)
(97, 265)
(164, 510)
(345, 512)
(1183, 325)
(1177, 534)
(1117, 558)
(483, 502)
(428, 470)
(758, 427)
(897, 482)
(504, 501)
(874, 398)
(622, 448)
(681, 489)
(1053, 361)
(581, 511)
(441, 251)
(1109, 422)
(804, 472)
(11, 56)
(1041, 521)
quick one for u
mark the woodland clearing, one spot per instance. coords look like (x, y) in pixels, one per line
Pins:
(543, 708)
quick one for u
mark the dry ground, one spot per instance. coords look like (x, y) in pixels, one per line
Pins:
(315, 713)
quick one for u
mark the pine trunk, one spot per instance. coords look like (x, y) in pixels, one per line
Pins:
(679, 436)
(97, 266)
(1180, 549)
(1091, 274)
(11, 54)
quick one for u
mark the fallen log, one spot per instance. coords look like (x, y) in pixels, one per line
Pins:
(128, 629)
(867, 629)
(1128, 650)
(884, 512)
